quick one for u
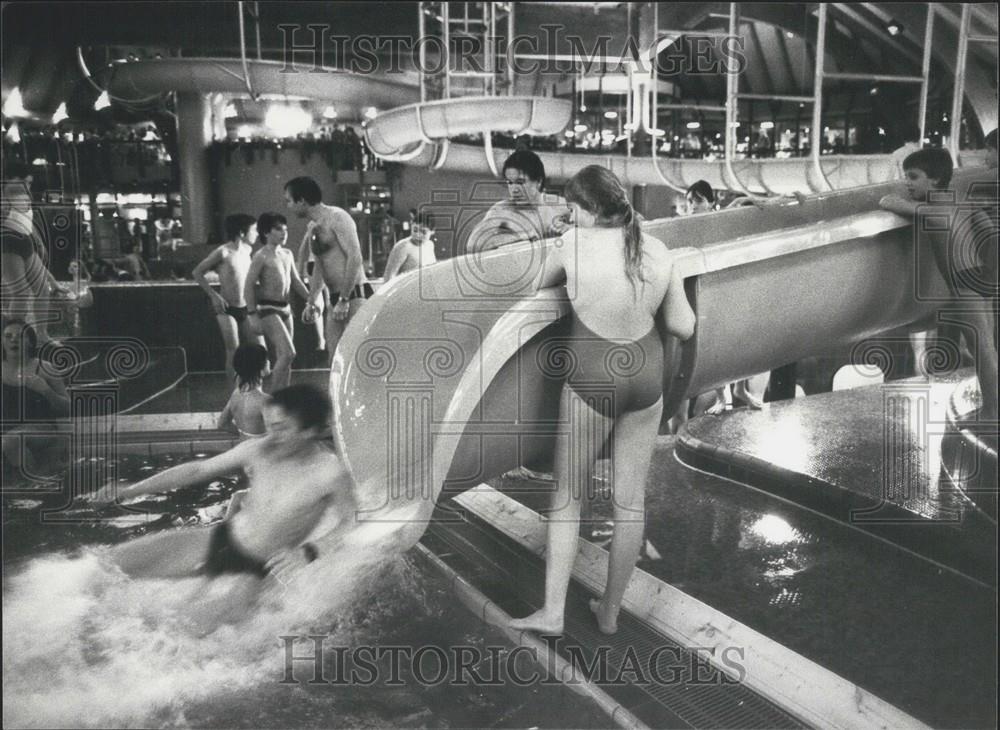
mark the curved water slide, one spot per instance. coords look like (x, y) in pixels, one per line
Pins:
(404, 133)
(134, 79)
(450, 375)
(762, 177)
(418, 133)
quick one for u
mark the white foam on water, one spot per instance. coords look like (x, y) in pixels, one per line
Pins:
(86, 646)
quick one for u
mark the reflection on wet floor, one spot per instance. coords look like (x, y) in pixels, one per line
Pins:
(878, 616)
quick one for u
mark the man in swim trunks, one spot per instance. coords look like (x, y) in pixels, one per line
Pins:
(528, 214)
(231, 261)
(296, 483)
(269, 282)
(339, 264)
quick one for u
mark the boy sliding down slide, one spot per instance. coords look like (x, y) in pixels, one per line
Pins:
(295, 481)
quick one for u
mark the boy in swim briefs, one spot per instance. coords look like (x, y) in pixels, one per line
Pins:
(231, 261)
(269, 282)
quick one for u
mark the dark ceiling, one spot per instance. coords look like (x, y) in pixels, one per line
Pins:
(40, 38)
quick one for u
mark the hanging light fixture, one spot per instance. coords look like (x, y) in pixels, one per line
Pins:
(60, 114)
(329, 112)
(14, 133)
(14, 106)
(287, 121)
(103, 101)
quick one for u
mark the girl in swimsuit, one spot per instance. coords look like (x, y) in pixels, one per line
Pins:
(244, 411)
(618, 280)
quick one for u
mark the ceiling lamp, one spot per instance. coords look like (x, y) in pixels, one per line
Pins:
(371, 112)
(14, 106)
(611, 115)
(14, 133)
(767, 125)
(894, 27)
(103, 101)
(694, 125)
(579, 127)
(230, 111)
(329, 112)
(60, 114)
(287, 121)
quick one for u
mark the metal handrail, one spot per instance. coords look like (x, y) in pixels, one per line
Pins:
(816, 135)
(959, 94)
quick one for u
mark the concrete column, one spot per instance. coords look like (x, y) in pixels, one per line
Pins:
(194, 135)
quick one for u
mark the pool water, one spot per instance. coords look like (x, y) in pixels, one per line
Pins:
(85, 646)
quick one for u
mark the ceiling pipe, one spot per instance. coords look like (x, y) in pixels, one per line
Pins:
(243, 55)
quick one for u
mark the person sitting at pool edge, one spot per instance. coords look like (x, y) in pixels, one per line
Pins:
(966, 256)
(32, 395)
(296, 483)
(245, 409)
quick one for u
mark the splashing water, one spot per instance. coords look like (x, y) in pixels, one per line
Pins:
(86, 646)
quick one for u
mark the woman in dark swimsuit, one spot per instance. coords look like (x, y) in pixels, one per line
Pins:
(617, 280)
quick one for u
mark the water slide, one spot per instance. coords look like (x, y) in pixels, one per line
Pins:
(135, 79)
(450, 375)
(418, 133)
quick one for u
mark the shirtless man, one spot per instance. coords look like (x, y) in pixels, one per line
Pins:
(414, 251)
(339, 265)
(231, 261)
(528, 214)
(270, 314)
(295, 482)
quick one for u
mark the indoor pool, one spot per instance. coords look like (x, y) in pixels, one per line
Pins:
(84, 646)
